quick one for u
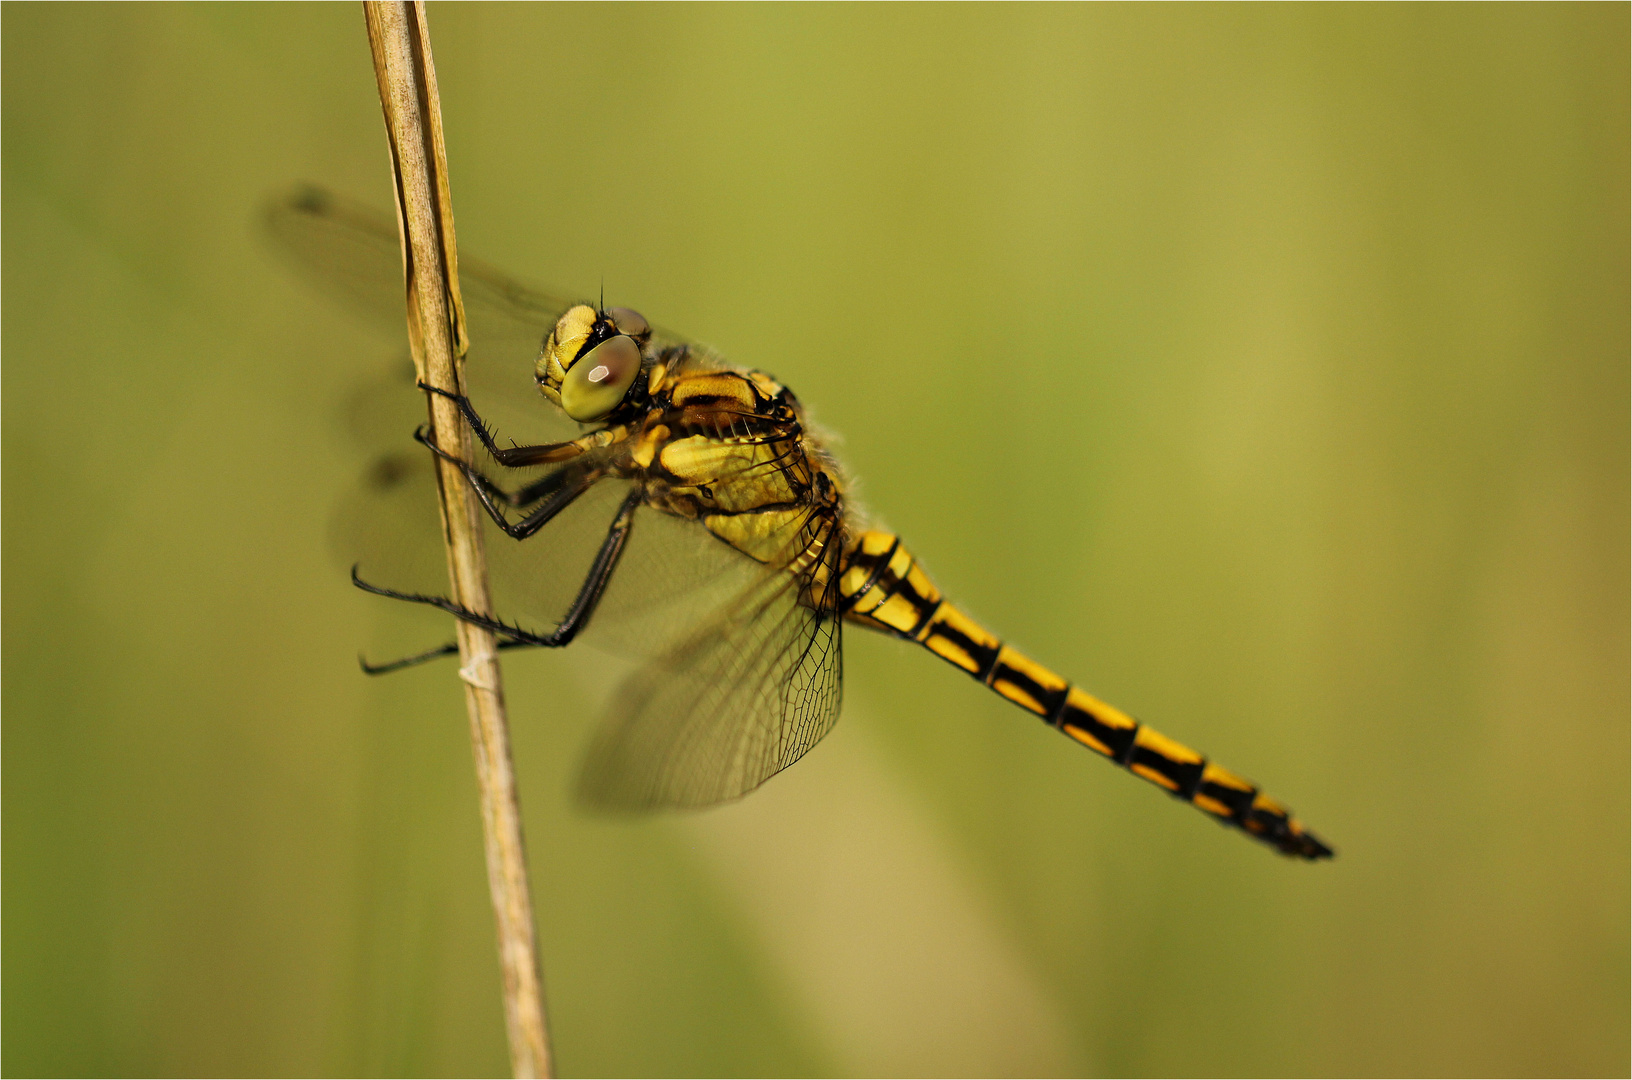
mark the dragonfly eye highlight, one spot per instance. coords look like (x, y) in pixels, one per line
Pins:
(599, 380)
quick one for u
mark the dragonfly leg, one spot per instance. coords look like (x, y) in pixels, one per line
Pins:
(557, 491)
(477, 424)
(521, 497)
(577, 616)
(538, 489)
(449, 649)
(514, 457)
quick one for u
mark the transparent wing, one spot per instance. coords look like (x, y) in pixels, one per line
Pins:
(350, 252)
(729, 705)
(353, 249)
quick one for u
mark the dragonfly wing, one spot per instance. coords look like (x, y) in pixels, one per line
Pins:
(737, 700)
(353, 251)
(345, 250)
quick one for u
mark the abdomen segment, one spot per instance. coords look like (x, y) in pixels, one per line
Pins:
(881, 586)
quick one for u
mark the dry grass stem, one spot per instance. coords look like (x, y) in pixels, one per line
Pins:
(399, 38)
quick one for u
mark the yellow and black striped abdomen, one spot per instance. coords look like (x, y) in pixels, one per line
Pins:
(882, 587)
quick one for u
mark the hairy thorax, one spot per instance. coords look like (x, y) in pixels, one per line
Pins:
(729, 448)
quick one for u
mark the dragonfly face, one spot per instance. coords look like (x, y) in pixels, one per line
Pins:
(726, 539)
(592, 360)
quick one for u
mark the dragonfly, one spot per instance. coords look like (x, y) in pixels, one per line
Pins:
(686, 509)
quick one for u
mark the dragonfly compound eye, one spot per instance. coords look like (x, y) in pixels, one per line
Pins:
(597, 382)
(631, 322)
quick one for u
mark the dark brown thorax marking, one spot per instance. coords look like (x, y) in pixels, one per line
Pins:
(882, 587)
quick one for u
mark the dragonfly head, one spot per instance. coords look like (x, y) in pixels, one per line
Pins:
(591, 359)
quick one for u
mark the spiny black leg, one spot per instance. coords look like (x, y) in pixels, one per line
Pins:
(557, 501)
(600, 571)
(560, 492)
(477, 478)
(521, 497)
(577, 616)
(514, 457)
(540, 488)
(453, 608)
(406, 661)
(429, 654)
(477, 424)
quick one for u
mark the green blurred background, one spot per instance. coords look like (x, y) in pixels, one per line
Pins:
(1262, 368)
